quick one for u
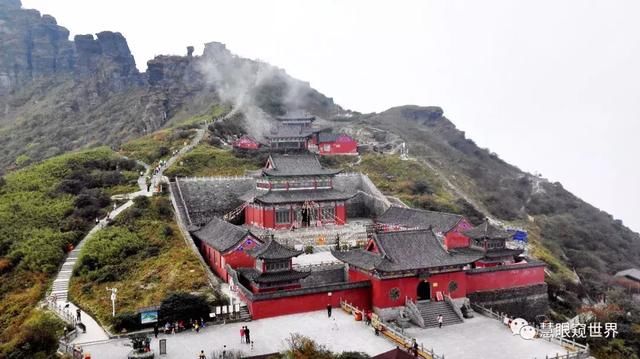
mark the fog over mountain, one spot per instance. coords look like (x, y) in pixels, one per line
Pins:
(552, 87)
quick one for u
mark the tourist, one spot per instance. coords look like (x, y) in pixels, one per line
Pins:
(78, 312)
(329, 310)
(167, 328)
(202, 356)
(196, 326)
(224, 351)
(202, 325)
(439, 320)
(415, 347)
(156, 330)
(242, 335)
(247, 335)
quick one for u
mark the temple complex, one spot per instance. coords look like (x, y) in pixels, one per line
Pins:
(405, 263)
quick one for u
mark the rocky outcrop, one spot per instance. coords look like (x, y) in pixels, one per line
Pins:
(34, 46)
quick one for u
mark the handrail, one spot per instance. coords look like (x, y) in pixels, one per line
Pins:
(449, 300)
(392, 333)
(184, 204)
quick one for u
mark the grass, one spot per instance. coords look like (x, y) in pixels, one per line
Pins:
(206, 160)
(144, 255)
(157, 146)
(411, 181)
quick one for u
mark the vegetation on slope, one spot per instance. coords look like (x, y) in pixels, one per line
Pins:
(157, 146)
(206, 160)
(44, 210)
(143, 254)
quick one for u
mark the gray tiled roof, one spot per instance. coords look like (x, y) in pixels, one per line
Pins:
(292, 196)
(406, 250)
(296, 115)
(297, 165)
(327, 137)
(632, 273)
(273, 250)
(289, 131)
(221, 235)
(486, 231)
(271, 277)
(417, 218)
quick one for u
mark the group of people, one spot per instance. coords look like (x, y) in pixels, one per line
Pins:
(245, 335)
(180, 325)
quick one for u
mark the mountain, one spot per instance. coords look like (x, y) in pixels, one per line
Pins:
(58, 95)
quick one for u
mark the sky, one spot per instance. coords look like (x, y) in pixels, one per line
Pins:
(552, 87)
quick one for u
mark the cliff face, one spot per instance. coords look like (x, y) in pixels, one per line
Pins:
(34, 46)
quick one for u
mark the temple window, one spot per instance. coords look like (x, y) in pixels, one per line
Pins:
(328, 213)
(282, 216)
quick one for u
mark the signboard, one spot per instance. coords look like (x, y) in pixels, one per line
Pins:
(149, 317)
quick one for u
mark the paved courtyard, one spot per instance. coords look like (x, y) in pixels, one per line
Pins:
(482, 337)
(479, 337)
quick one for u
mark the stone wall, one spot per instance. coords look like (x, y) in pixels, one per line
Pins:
(523, 302)
(210, 197)
(369, 202)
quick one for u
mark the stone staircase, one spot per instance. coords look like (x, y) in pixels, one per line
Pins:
(244, 315)
(429, 311)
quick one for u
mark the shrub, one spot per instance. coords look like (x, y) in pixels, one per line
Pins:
(126, 321)
(183, 306)
(308, 250)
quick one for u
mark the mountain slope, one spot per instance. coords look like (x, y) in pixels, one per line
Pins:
(586, 239)
(58, 95)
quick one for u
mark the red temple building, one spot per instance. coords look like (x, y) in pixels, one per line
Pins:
(246, 143)
(327, 143)
(273, 270)
(223, 243)
(295, 132)
(295, 191)
(291, 133)
(448, 225)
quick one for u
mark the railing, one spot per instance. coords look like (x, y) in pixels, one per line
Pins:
(449, 300)
(414, 312)
(71, 349)
(214, 178)
(184, 204)
(63, 312)
(394, 334)
(581, 351)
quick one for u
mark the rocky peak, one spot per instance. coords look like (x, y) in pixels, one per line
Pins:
(34, 46)
(10, 4)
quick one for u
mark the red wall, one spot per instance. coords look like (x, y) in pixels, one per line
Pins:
(440, 283)
(341, 213)
(510, 277)
(381, 288)
(307, 303)
(343, 145)
(234, 257)
(455, 240)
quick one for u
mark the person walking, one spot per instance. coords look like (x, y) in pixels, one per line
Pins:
(78, 314)
(156, 330)
(201, 355)
(439, 320)
(247, 335)
(329, 310)
(242, 330)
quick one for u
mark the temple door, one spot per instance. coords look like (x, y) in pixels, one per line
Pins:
(424, 290)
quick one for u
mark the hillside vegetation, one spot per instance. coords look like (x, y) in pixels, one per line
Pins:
(44, 210)
(143, 254)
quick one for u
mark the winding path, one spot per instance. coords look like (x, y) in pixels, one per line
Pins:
(57, 300)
